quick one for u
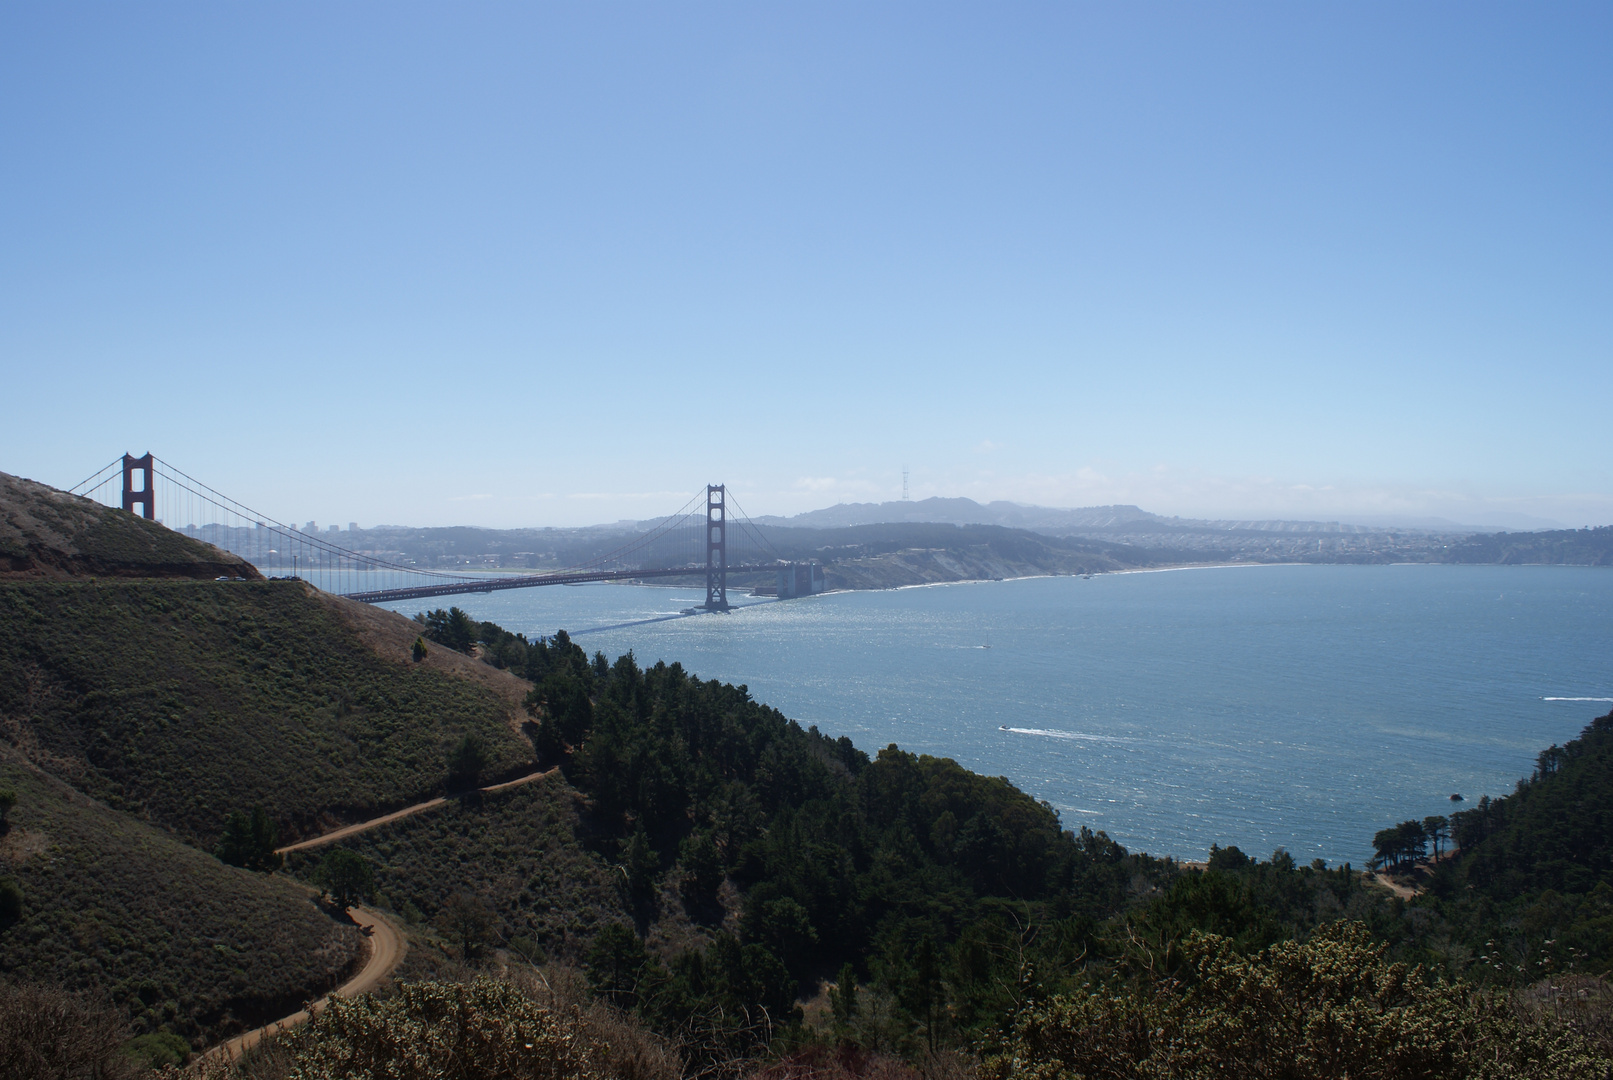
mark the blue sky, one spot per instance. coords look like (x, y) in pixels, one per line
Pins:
(532, 265)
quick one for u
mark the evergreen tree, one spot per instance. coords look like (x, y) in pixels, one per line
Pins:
(249, 841)
(10, 902)
(345, 876)
(640, 863)
(843, 995)
(466, 761)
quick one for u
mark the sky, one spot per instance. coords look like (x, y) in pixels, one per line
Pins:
(529, 264)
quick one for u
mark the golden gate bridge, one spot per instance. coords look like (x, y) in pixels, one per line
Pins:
(698, 540)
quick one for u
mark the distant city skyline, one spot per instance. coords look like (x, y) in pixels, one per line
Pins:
(559, 265)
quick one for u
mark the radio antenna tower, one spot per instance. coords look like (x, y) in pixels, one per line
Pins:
(904, 483)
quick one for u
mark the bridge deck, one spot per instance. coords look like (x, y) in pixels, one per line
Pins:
(532, 581)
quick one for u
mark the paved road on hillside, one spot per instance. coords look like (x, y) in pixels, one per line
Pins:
(387, 949)
(407, 811)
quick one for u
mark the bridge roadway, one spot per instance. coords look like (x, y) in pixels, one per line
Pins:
(532, 581)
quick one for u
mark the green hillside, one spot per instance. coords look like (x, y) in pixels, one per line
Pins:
(1533, 885)
(1570, 547)
(179, 701)
(174, 937)
(46, 533)
(516, 850)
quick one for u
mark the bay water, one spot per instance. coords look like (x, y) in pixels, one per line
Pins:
(1302, 707)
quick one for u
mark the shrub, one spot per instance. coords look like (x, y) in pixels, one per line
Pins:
(1326, 1008)
(157, 1049)
(470, 921)
(10, 902)
(45, 1032)
(487, 1030)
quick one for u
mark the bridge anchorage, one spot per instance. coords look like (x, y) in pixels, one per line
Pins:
(701, 540)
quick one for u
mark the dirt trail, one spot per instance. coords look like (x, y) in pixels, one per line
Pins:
(1405, 892)
(384, 819)
(387, 949)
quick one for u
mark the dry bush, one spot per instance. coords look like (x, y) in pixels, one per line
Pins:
(48, 1034)
(1579, 1004)
(842, 1063)
(633, 1051)
(529, 1025)
(848, 1062)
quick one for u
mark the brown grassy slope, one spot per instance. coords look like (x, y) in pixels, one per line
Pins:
(179, 701)
(172, 935)
(46, 533)
(391, 637)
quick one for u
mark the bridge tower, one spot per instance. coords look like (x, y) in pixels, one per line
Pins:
(716, 547)
(145, 497)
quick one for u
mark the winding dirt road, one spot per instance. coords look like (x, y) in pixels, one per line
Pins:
(387, 949)
(387, 945)
(407, 811)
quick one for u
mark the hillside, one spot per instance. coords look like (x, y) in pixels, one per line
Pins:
(181, 701)
(1572, 547)
(170, 934)
(916, 553)
(137, 711)
(961, 511)
(1534, 874)
(46, 533)
(517, 850)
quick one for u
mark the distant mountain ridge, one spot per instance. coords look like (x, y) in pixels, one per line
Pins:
(1118, 518)
(962, 511)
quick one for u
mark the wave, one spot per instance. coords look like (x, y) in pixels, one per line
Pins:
(1049, 734)
(1577, 699)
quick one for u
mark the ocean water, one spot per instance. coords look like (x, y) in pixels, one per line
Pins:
(1296, 706)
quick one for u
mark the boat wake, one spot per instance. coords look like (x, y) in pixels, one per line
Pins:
(1577, 699)
(1047, 733)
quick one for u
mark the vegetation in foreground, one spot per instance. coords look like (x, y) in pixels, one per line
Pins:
(1330, 1007)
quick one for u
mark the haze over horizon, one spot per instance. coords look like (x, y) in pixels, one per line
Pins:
(526, 266)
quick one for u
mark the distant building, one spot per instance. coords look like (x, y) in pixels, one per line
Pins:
(799, 579)
(352, 526)
(310, 528)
